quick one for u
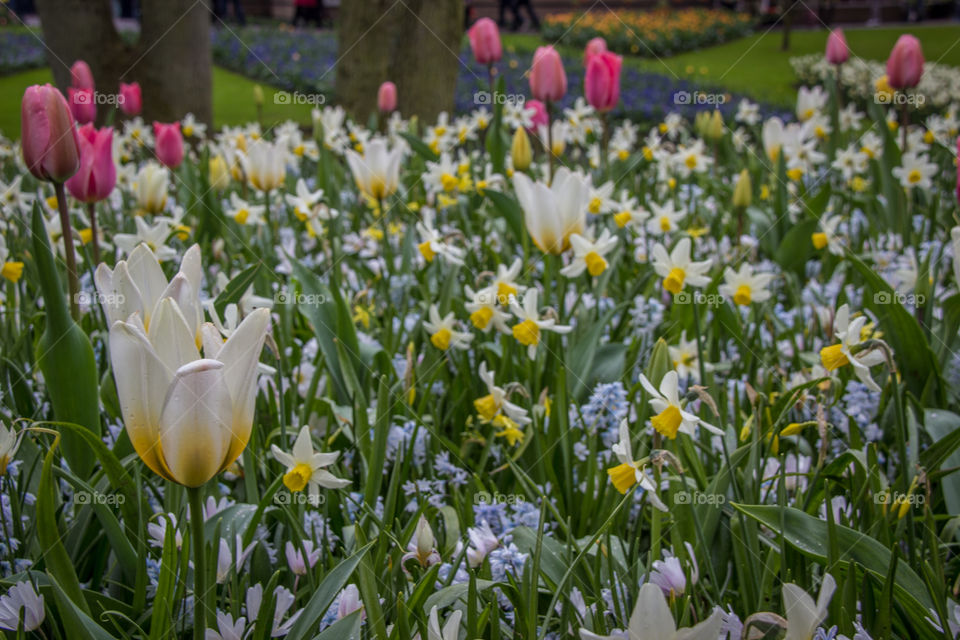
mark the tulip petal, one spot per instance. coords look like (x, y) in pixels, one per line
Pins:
(172, 337)
(145, 270)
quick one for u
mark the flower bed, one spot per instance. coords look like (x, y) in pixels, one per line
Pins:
(648, 33)
(20, 50)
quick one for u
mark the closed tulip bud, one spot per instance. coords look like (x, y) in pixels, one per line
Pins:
(905, 64)
(49, 139)
(595, 46)
(540, 118)
(837, 50)
(387, 97)
(97, 175)
(548, 80)
(80, 76)
(131, 100)
(169, 147)
(521, 151)
(219, 173)
(714, 126)
(602, 82)
(258, 95)
(82, 106)
(743, 190)
(485, 41)
(701, 122)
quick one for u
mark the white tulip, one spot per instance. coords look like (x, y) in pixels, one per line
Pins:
(377, 171)
(553, 213)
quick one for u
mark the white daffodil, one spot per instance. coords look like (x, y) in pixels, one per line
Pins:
(154, 236)
(810, 102)
(692, 159)
(496, 401)
(803, 615)
(451, 629)
(150, 187)
(685, 358)
(433, 244)
(664, 218)
(600, 201)
(915, 171)
(627, 212)
(628, 472)
(828, 235)
(553, 213)
(9, 270)
(527, 332)
(443, 332)
(651, 620)
(744, 286)
(306, 468)
(671, 418)
(377, 171)
(505, 282)
(485, 311)
(193, 127)
(9, 443)
(13, 198)
(244, 212)
(265, 164)
(21, 601)
(677, 269)
(442, 176)
(589, 255)
(848, 333)
(304, 201)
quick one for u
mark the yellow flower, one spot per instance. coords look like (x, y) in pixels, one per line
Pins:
(674, 280)
(12, 271)
(520, 150)
(527, 333)
(833, 357)
(819, 240)
(667, 422)
(486, 406)
(623, 476)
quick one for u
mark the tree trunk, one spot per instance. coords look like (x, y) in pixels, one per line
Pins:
(171, 60)
(413, 43)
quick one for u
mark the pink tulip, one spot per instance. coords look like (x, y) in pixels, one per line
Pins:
(595, 46)
(169, 147)
(548, 80)
(905, 64)
(82, 106)
(97, 175)
(837, 50)
(485, 41)
(387, 97)
(540, 117)
(131, 101)
(602, 83)
(80, 76)
(49, 139)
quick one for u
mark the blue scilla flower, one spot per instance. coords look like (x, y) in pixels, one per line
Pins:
(826, 634)
(606, 408)
(399, 439)
(495, 513)
(506, 559)
(455, 476)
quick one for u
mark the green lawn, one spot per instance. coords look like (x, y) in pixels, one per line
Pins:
(756, 66)
(232, 100)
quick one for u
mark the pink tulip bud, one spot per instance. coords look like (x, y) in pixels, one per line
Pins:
(540, 117)
(595, 46)
(602, 83)
(131, 101)
(837, 50)
(905, 64)
(485, 41)
(80, 76)
(82, 106)
(387, 97)
(97, 175)
(49, 139)
(169, 147)
(548, 80)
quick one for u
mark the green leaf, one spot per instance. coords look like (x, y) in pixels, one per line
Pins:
(235, 289)
(76, 620)
(420, 147)
(346, 628)
(944, 429)
(797, 247)
(448, 596)
(509, 209)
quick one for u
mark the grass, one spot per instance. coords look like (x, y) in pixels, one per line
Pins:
(232, 100)
(757, 67)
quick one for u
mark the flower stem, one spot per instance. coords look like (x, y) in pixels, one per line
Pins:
(73, 283)
(195, 495)
(92, 209)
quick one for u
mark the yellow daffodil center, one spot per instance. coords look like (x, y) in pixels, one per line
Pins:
(481, 317)
(486, 406)
(427, 251)
(86, 235)
(795, 174)
(914, 176)
(595, 204)
(623, 154)
(242, 216)
(623, 476)
(527, 332)
(819, 240)
(510, 431)
(296, 479)
(504, 291)
(691, 161)
(674, 280)
(12, 271)
(622, 219)
(833, 357)
(595, 263)
(449, 182)
(665, 224)
(742, 295)
(188, 131)
(441, 339)
(667, 422)
(858, 184)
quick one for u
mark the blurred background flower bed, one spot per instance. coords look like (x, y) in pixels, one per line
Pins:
(20, 50)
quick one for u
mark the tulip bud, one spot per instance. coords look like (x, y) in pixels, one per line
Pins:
(387, 97)
(219, 173)
(80, 76)
(602, 82)
(837, 50)
(595, 46)
(82, 106)
(485, 41)
(905, 64)
(169, 148)
(548, 80)
(131, 101)
(743, 191)
(258, 95)
(520, 150)
(714, 125)
(49, 139)
(97, 175)
(540, 117)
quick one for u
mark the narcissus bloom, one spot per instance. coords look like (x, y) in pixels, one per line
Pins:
(677, 269)
(527, 332)
(651, 620)
(671, 418)
(443, 332)
(9, 270)
(629, 472)
(744, 286)
(588, 255)
(915, 171)
(305, 468)
(495, 402)
(848, 333)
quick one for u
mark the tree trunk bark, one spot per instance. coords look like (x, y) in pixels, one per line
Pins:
(171, 61)
(413, 43)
